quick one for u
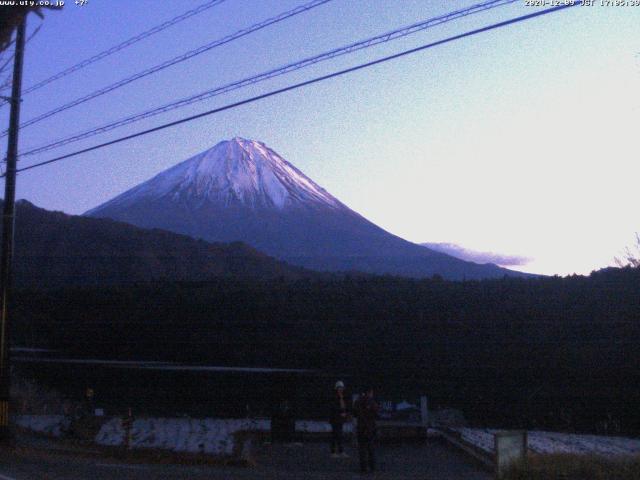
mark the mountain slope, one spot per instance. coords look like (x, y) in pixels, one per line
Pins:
(242, 190)
(52, 249)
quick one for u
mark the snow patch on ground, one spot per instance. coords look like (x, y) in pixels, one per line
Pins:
(54, 425)
(207, 435)
(213, 436)
(312, 426)
(553, 442)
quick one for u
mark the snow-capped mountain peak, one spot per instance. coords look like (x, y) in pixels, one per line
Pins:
(233, 172)
(241, 190)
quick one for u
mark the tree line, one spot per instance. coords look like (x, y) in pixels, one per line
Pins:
(544, 352)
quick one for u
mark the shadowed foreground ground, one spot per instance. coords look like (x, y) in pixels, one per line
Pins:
(432, 460)
(309, 461)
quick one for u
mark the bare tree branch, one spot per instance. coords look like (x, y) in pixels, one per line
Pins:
(630, 256)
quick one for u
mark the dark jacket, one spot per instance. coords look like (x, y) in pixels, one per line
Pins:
(336, 409)
(366, 411)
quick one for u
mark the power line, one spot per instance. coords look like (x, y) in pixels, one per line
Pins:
(13, 40)
(11, 57)
(5, 64)
(307, 82)
(181, 58)
(370, 42)
(127, 43)
(6, 82)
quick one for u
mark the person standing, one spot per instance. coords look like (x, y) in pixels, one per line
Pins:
(338, 416)
(366, 411)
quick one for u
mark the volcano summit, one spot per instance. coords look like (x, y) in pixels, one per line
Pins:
(242, 190)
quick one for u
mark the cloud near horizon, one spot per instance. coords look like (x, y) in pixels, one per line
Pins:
(462, 253)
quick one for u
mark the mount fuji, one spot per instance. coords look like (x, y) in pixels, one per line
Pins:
(242, 190)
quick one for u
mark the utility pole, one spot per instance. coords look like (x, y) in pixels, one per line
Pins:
(8, 222)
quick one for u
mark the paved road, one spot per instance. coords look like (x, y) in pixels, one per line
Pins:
(309, 461)
(432, 460)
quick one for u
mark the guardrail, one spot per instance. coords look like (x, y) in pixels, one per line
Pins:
(509, 447)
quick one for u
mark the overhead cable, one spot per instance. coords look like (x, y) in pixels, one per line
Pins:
(306, 83)
(180, 58)
(291, 67)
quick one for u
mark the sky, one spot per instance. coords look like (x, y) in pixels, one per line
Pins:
(521, 142)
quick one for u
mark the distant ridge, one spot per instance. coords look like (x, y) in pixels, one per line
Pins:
(55, 249)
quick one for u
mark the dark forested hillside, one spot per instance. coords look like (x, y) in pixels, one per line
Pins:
(548, 352)
(54, 249)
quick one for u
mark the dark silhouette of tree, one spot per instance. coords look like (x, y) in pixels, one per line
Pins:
(11, 16)
(548, 352)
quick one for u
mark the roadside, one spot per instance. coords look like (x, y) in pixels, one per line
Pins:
(37, 457)
(432, 459)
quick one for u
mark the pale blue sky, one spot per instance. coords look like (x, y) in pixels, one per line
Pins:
(521, 141)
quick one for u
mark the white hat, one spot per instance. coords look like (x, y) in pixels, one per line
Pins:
(339, 384)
